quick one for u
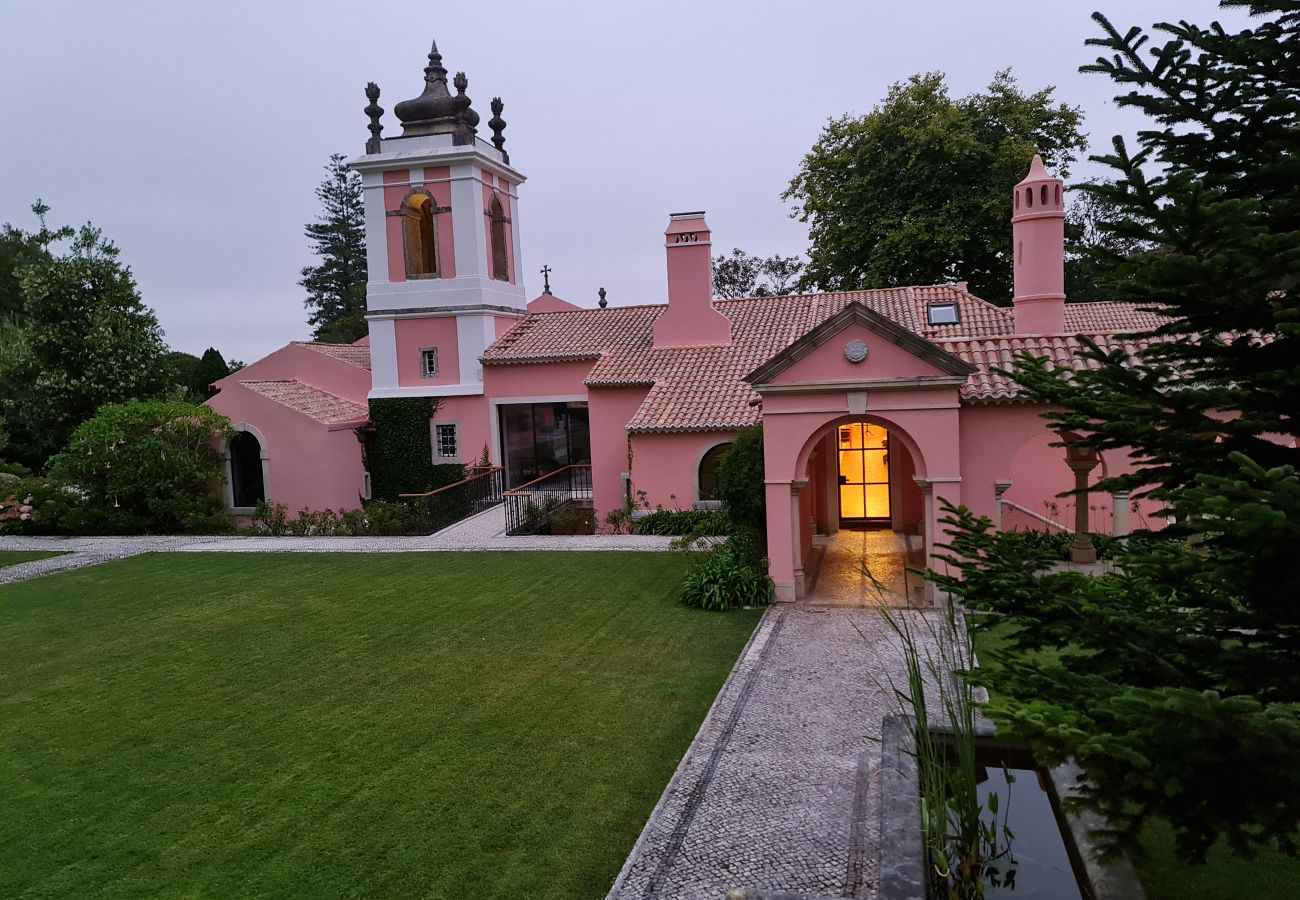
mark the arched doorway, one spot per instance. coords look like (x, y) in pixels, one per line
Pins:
(247, 478)
(861, 515)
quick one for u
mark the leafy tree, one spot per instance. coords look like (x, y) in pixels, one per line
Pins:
(1176, 683)
(147, 466)
(19, 249)
(336, 285)
(740, 482)
(212, 367)
(917, 190)
(85, 340)
(1095, 253)
(742, 275)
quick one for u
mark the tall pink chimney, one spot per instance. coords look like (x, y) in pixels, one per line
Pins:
(690, 319)
(1038, 241)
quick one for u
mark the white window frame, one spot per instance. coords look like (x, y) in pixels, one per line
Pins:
(425, 371)
(438, 455)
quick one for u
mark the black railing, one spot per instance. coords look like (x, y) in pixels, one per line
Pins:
(481, 489)
(530, 507)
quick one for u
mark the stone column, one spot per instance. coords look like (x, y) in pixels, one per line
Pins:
(999, 488)
(1081, 462)
(1119, 513)
(796, 520)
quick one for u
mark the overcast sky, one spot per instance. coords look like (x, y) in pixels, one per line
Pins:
(194, 133)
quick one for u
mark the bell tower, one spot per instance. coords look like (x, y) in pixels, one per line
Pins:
(442, 240)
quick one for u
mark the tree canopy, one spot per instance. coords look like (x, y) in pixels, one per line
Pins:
(917, 191)
(741, 275)
(336, 284)
(1175, 681)
(84, 339)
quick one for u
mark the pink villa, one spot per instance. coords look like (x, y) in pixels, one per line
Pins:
(874, 404)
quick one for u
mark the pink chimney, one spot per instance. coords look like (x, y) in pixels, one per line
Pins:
(690, 319)
(1038, 241)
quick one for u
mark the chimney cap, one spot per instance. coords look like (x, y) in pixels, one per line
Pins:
(698, 214)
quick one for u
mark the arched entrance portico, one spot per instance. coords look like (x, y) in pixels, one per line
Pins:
(813, 518)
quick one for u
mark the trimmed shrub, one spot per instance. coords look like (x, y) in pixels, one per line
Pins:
(740, 481)
(146, 467)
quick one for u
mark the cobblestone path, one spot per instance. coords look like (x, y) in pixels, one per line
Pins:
(780, 790)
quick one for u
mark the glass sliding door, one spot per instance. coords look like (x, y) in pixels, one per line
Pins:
(864, 473)
(538, 438)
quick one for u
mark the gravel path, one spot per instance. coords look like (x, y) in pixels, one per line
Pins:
(485, 531)
(780, 790)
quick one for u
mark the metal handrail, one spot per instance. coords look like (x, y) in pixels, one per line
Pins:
(548, 475)
(558, 488)
(1033, 515)
(483, 472)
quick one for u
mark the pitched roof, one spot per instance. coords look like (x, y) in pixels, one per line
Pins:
(703, 388)
(324, 407)
(357, 355)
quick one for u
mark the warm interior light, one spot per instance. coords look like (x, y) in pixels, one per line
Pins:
(864, 471)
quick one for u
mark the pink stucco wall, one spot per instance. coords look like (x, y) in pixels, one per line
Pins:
(609, 410)
(884, 360)
(666, 466)
(470, 415)
(413, 335)
(334, 479)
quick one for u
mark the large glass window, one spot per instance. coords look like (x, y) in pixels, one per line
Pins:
(538, 438)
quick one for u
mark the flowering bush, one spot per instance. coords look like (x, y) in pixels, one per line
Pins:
(38, 506)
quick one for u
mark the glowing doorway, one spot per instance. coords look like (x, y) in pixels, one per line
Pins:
(864, 474)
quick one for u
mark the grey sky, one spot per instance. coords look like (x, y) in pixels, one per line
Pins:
(194, 134)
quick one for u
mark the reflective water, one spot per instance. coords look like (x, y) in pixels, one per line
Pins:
(1043, 869)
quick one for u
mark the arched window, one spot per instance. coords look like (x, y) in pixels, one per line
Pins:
(421, 236)
(500, 252)
(1029, 197)
(247, 486)
(709, 472)
(1058, 195)
(1043, 195)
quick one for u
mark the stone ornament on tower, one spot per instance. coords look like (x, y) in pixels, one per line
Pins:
(436, 111)
(374, 111)
(602, 301)
(498, 125)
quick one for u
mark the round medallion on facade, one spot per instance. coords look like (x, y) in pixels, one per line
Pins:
(855, 351)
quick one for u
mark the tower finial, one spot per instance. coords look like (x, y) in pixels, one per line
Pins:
(546, 279)
(436, 111)
(498, 125)
(602, 301)
(374, 111)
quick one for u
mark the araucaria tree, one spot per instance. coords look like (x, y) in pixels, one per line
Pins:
(1177, 686)
(336, 285)
(84, 339)
(915, 192)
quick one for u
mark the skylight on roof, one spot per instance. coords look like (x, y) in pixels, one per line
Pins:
(943, 314)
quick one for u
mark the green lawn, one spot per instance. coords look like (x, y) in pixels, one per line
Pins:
(14, 557)
(325, 725)
(1167, 876)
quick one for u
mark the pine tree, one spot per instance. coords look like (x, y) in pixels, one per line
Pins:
(1177, 685)
(336, 286)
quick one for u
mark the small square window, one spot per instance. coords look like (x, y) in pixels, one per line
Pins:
(429, 362)
(445, 441)
(943, 314)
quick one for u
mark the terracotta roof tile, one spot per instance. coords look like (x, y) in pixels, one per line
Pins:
(987, 385)
(348, 353)
(1109, 318)
(324, 407)
(701, 388)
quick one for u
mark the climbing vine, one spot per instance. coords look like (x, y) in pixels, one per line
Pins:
(397, 450)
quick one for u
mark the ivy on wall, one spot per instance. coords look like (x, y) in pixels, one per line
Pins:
(397, 450)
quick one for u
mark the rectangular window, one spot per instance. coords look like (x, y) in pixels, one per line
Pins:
(943, 314)
(445, 442)
(429, 362)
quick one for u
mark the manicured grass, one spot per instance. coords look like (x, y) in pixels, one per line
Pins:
(14, 557)
(1167, 876)
(325, 725)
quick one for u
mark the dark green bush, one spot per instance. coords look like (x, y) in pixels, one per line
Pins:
(740, 481)
(146, 467)
(730, 575)
(698, 522)
(39, 506)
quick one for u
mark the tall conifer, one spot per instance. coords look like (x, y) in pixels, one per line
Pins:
(336, 285)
